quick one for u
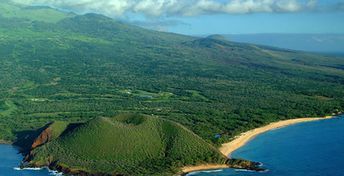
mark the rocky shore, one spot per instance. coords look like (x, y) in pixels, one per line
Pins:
(231, 163)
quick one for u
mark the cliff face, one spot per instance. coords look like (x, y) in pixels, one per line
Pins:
(245, 164)
(43, 138)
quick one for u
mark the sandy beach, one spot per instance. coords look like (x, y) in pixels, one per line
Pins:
(242, 139)
(189, 169)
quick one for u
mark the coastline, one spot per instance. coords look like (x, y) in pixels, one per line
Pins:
(5, 142)
(242, 139)
(228, 148)
(239, 141)
(186, 170)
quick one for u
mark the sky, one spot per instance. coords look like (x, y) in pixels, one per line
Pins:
(201, 17)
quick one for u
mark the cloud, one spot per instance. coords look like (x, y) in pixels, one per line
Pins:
(312, 3)
(166, 8)
(158, 24)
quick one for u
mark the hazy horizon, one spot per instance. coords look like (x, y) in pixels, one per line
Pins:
(199, 17)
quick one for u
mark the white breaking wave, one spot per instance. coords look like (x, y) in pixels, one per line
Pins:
(56, 173)
(211, 171)
(29, 168)
(243, 170)
(207, 171)
(51, 172)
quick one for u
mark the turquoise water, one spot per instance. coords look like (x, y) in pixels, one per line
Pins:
(307, 149)
(10, 160)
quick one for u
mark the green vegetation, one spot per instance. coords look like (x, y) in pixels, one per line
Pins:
(73, 68)
(57, 128)
(127, 145)
(7, 108)
(45, 14)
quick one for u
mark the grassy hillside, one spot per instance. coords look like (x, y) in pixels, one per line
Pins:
(45, 14)
(84, 66)
(128, 145)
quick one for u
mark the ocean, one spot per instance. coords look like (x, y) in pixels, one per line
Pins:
(306, 149)
(10, 160)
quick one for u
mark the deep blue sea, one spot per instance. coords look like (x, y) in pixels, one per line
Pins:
(10, 160)
(306, 149)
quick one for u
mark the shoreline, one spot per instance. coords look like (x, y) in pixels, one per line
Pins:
(188, 169)
(5, 142)
(242, 139)
(239, 141)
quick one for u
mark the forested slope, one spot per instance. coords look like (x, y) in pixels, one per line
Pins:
(67, 67)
